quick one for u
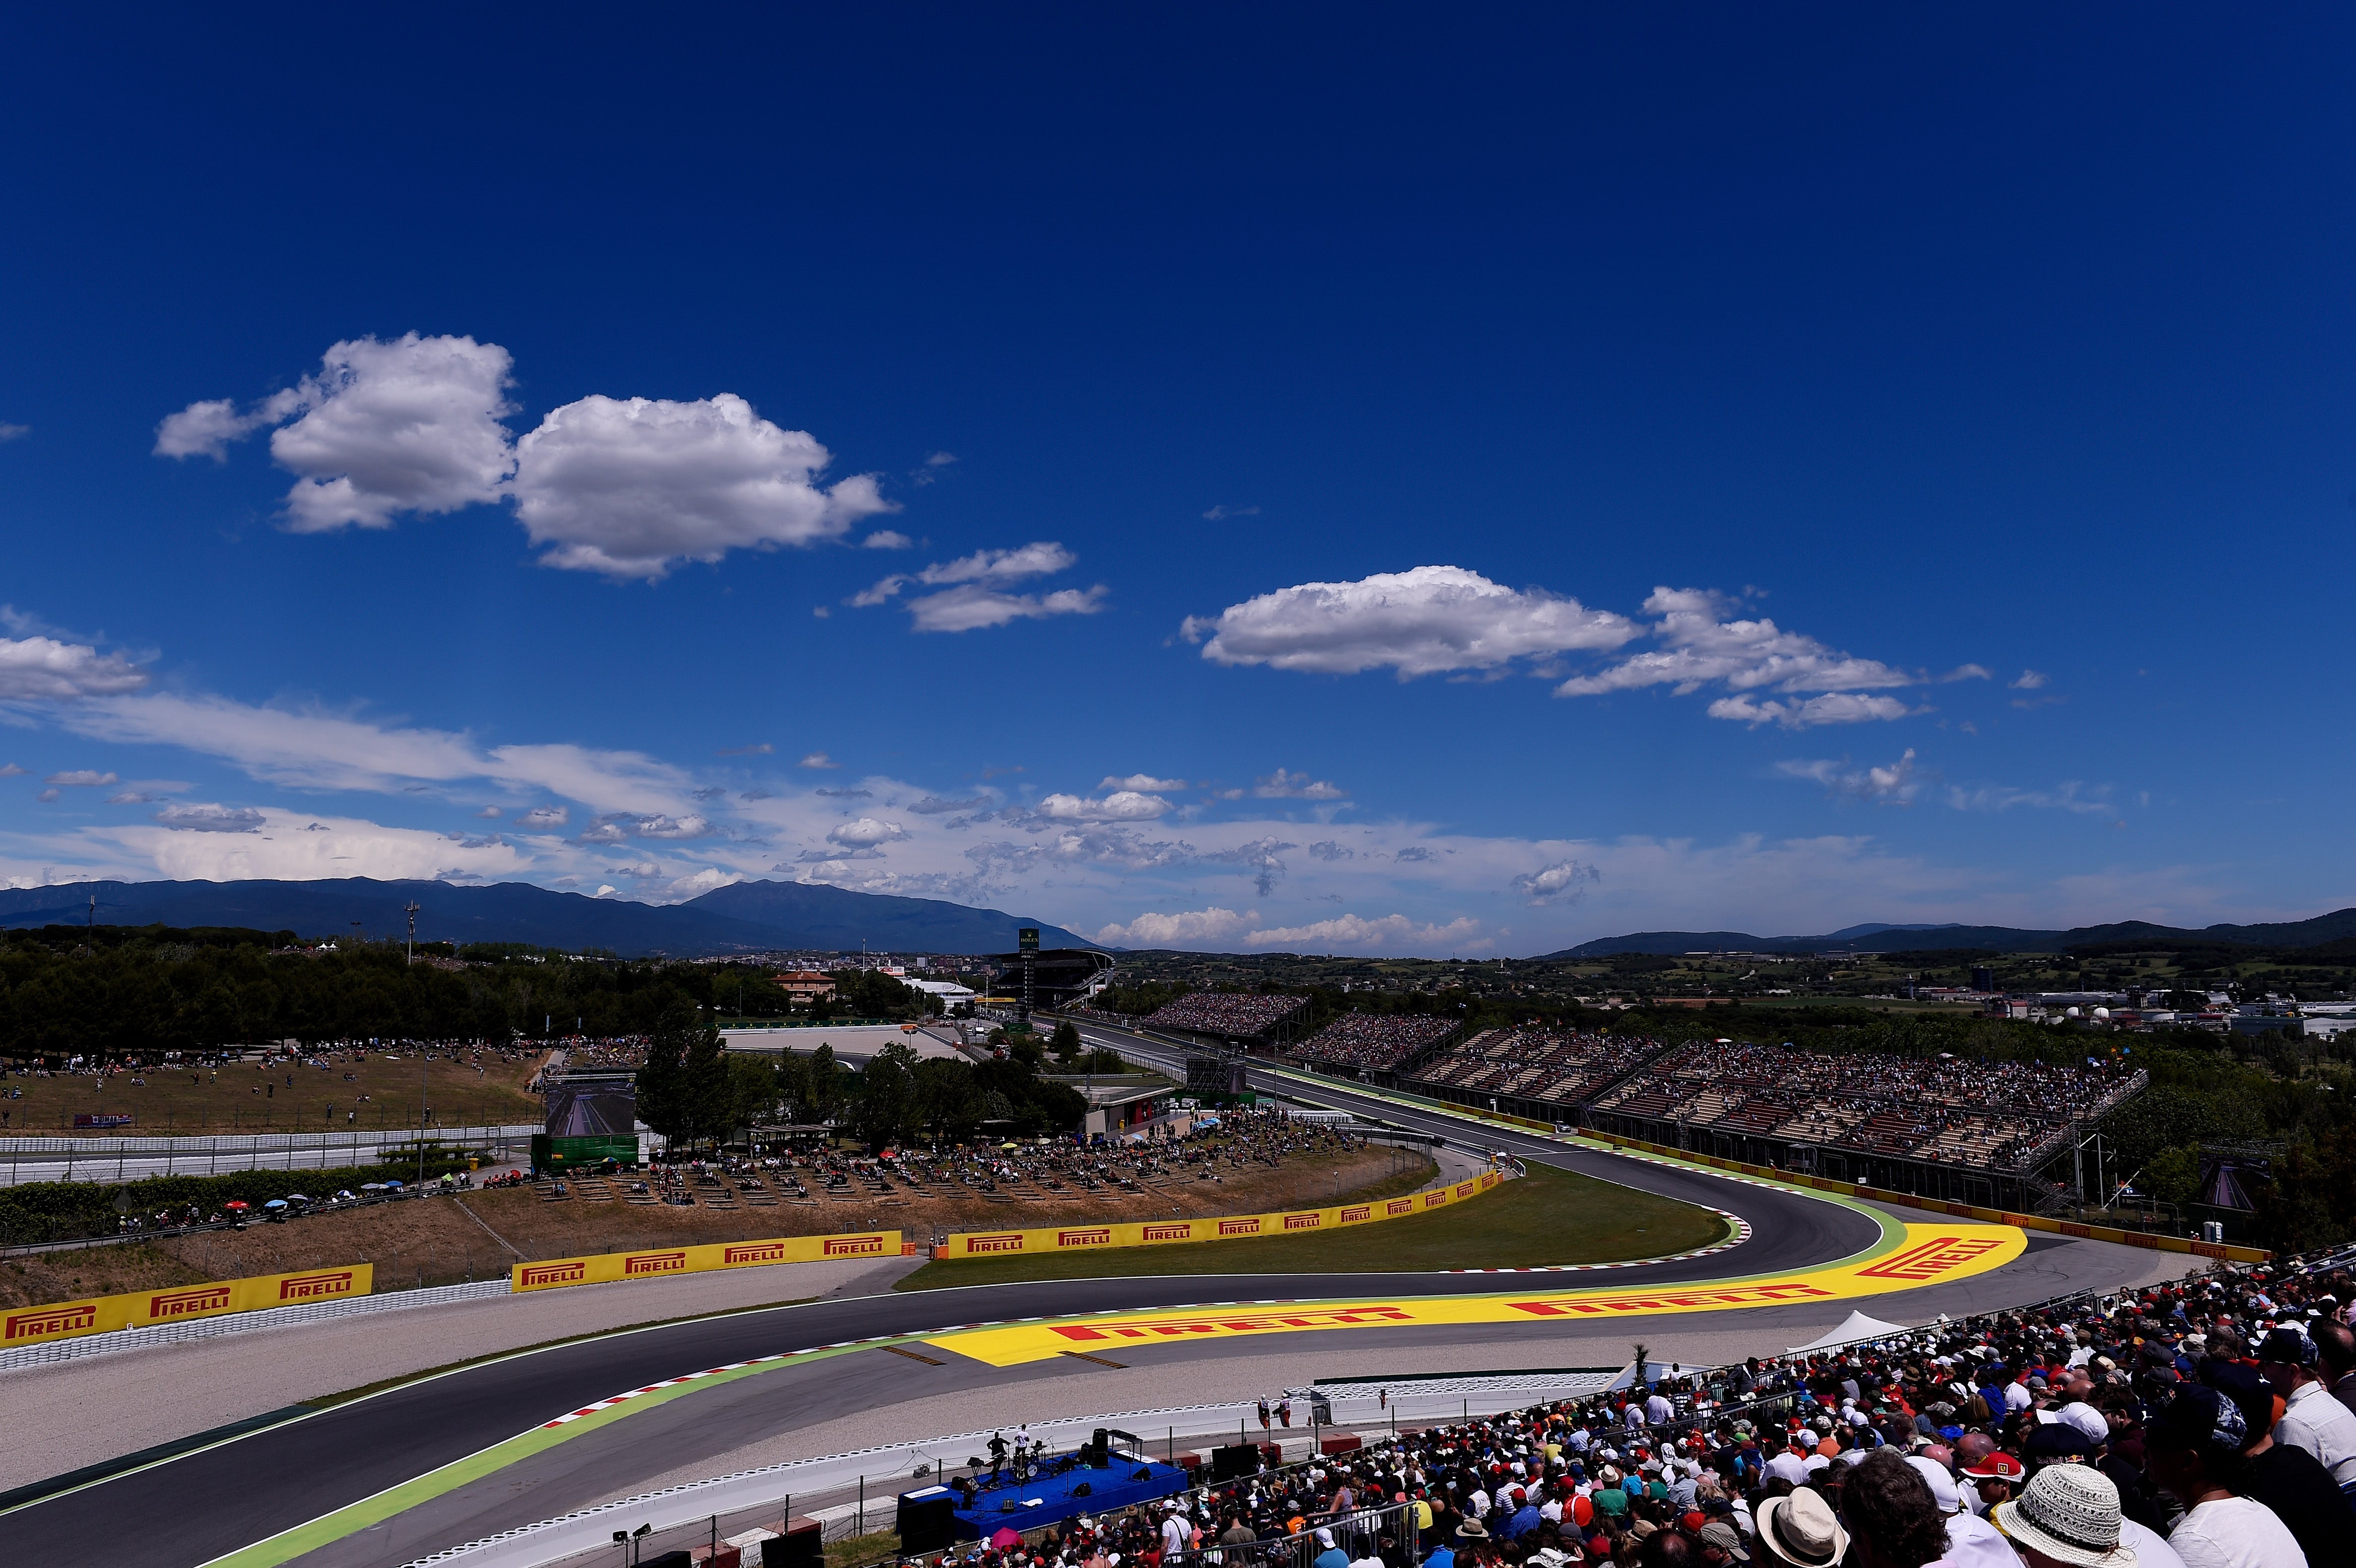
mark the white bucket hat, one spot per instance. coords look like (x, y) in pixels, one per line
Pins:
(2070, 1513)
(1801, 1530)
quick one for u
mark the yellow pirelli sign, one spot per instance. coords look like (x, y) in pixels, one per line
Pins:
(1931, 1255)
(660, 1262)
(1215, 1227)
(147, 1309)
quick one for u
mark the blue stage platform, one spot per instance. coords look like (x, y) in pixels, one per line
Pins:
(1045, 1499)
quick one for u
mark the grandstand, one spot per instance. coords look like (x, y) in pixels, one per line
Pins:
(1549, 1072)
(1945, 1127)
(1378, 1041)
(1244, 1018)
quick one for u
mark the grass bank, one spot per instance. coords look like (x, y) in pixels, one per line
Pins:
(1549, 1216)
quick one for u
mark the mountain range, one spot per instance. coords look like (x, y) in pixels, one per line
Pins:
(2339, 926)
(743, 917)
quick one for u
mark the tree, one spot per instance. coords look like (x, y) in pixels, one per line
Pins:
(821, 1091)
(659, 1081)
(1065, 1042)
(704, 1104)
(950, 1103)
(888, 1108)
(752, 1090)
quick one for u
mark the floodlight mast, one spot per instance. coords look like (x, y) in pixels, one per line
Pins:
(412, 931)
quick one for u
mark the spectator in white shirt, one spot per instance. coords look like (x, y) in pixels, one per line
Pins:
(2311, 1418)
(2193, 1449)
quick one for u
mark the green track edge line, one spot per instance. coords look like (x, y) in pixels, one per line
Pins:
(352, 1517)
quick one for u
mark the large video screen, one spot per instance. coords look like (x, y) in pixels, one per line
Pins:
(591, 1110)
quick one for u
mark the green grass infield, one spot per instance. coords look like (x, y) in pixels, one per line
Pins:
(1548, 1217)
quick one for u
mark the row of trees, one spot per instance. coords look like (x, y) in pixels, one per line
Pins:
(115, 992)
(693, 1092)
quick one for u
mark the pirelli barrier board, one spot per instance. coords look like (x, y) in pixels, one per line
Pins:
(658, 1263)
(147, 1309)
(1932, 1255)
(1211, 1227)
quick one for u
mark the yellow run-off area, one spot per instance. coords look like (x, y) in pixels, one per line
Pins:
(1931, 1255)
(145, 1309)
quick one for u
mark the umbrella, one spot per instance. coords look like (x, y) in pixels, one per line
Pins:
(1005, 1538)
(298, 1198)
(275, 1203)
(236, 1203)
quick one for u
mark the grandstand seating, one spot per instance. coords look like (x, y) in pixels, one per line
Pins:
(1991, 1115)
(1378, 1040)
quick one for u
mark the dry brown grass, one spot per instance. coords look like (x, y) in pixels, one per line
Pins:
(437, 1241)
(232, 1098)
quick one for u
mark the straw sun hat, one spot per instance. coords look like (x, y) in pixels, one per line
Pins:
(2070, 1513)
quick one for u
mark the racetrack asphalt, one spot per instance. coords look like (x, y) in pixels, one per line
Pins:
(192, 1508)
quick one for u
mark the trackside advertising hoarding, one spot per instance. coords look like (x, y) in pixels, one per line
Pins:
(145, 1309)
(1213, 1228)
(660, 1262)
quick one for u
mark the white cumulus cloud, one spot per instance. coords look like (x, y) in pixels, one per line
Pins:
(211, 818)
(1390, 934)
(1426, 621)
(1146, 781)
(1121, 806)
(624, 487)
(86, 777)
(44, 669)
(1896, 784)
(1282, 785)
(411, 425)
(1179, 929)
(1833, 707)
(628, 487)
(1564, 881)
(1703, 643)
(975, 592)
(865, 833)
(974, 607)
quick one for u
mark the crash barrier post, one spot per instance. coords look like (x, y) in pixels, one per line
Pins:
(2218, 1250)
(660, 1262)
(1211, 1227)
(145, 1309)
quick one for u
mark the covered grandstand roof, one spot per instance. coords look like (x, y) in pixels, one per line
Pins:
(1059, 976)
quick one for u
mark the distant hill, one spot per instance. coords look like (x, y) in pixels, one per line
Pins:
(2339, 926)
(741, 917)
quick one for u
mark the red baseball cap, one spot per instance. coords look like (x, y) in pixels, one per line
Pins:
(1997, 1466)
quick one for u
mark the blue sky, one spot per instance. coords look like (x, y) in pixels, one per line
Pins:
(1766, 471)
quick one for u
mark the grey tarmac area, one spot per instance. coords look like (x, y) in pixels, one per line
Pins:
(874, 1397)
(89, 1410)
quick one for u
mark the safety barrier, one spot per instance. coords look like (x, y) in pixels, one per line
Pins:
(2221, 1252)
(661, 1262)
(1213, 1228)
(142, 1310)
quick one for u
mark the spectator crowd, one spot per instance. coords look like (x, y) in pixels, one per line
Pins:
(1233, 1013)
(1379, 1041)
(1995, 1116)
(2202, 1424)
